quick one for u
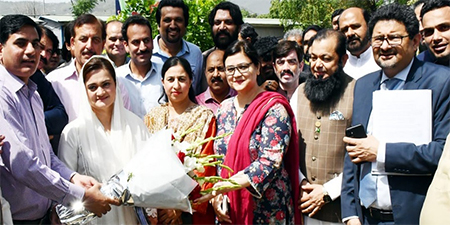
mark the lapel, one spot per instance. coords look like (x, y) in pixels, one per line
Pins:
(414, 75)
(369, 87)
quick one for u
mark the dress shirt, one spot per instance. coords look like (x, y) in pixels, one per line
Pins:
(143, 94)
(357, 67)
(378, 170)
(55, 114)
(65, 82)
(190, 52)
(207, 100)
(32, 175)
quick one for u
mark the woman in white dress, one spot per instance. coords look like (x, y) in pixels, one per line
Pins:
(105, 136)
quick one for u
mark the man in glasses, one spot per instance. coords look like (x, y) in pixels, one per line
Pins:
(353, 23)
(323, 109)
(287, 63)
(386, 183)
(435, 16)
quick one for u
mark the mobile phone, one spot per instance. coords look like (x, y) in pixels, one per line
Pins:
(356, 131)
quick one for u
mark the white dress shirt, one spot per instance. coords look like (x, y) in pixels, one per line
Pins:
(357, 67)
(378, 167)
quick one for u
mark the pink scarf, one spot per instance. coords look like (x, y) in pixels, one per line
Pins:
(238, 155)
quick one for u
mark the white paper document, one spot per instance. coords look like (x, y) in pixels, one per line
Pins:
(402, 116)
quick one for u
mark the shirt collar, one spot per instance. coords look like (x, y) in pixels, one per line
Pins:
(157, 50)
(15, 84)
(366, 55)
(152, 70)
(208, 95)
(402, 75)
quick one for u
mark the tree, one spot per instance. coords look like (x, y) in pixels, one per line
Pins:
(198, 30)
(83, 6)
(302, 13)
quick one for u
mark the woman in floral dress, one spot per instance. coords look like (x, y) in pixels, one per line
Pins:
(263, 150)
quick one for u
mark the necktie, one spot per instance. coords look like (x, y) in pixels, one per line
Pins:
(368, 185)
(391, 84)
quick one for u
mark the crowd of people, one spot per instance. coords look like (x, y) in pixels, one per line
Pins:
(288, 101)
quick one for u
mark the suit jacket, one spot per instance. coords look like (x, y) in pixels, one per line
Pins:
(322, 153)
(407, 192)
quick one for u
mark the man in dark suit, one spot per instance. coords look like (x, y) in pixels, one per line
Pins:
(400, 189)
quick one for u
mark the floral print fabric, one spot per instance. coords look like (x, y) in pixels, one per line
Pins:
(270, 185)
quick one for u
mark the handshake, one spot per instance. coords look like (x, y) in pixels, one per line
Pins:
(94, 200)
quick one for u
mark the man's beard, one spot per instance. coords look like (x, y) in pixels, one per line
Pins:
(223, 43)
(359, 45)
(318, 90)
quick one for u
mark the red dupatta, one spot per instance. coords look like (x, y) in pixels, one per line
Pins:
(238, 156)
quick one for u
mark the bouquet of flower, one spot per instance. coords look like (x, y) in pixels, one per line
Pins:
(195, 163)
(153, 178)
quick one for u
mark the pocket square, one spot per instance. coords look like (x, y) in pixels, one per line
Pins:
(336, 115)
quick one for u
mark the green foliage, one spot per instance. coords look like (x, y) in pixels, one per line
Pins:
(145, 8)
(83, 6)
(302, 13)
(198, 30)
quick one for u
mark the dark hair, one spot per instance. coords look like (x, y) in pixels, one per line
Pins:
(174, 61)
(340, 40)
(242, 46)
(11, 24)
(433, 4)
(248, 30)
(311, 27)
(235, 13)
(65, 53)
(401, 13)
(283, 48)
(99, 63)
(336, 12)
(175, 4)
(49, 33)
(87, 19)
(265, 45)
(136, 19)
(417, 3)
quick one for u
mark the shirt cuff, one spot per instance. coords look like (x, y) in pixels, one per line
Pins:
(349, 218)
(74, 194)
(333, 187)
(378, 166)
(301, 177)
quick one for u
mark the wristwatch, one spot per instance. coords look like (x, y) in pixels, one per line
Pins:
(326, 197)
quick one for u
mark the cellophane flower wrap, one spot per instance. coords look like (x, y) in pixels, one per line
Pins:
(195, 165)
(154, 178)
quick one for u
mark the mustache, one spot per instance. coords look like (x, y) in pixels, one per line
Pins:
(44, 60)
(224, 32)
(143, 52)
(287, 72)
(353, 38)
(89, 52)
(173, 29)
(389, 51)
(218, 79)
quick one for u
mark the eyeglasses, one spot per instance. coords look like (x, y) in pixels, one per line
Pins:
(242, 68)
(426, 32)
(281, 62)
(392, 40)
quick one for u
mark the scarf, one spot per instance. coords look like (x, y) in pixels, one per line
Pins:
(238, 155)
